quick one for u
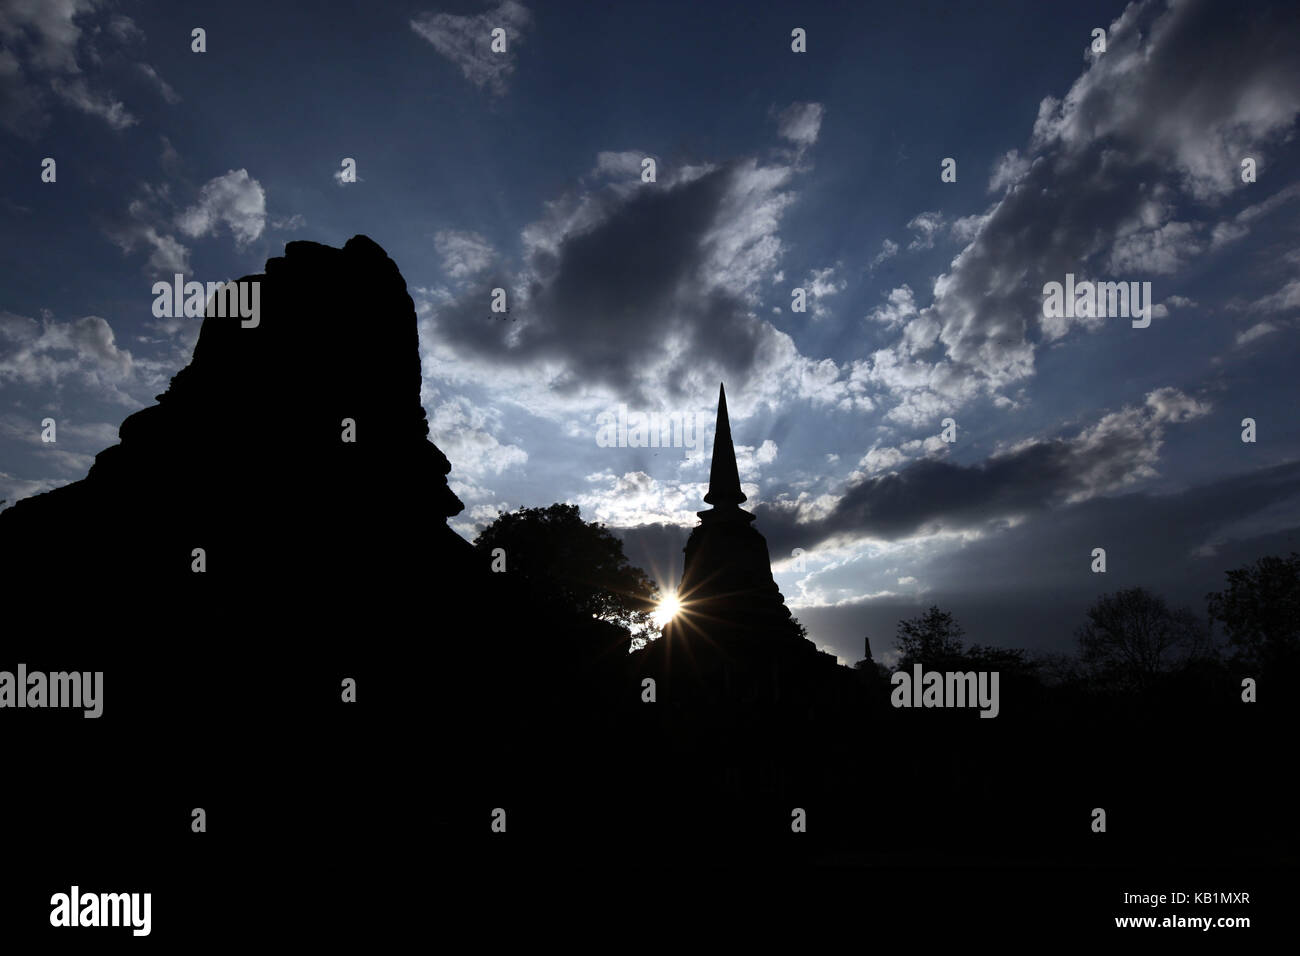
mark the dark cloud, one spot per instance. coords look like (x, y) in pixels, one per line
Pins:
(931, 494)
(609, 298)
(1029, 586)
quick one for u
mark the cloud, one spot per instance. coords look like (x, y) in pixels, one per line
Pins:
(169, 254)
(888, 249)
(1008, 170)
(353, 179)
(645, 294)
(1139, 96)
(125, 29)
(934, 495)
(74, 451)
(235, 200)
(899, 306)
(926, 225)
(168, 159)
(1106, 169)
(750, 460)
(1027, 587)
(77, 92)
(143, 225)
(464, 432)
(463, 253)
(39, 65)
(1161, 251)
(967, 228)
(164, 88)
(467, 41)
(53, 354)
(47, 30)
(880, 459)
(821, 284)
(289, 223)
(1256, 331)
(620, 165)
(800, 123)
(1231, 230)
(1283, 300)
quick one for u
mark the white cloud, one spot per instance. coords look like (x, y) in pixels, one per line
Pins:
(898, 308)
(635, 498)
(235, 200)
(1161, 251)
(929, 447)
(888, 249)
(466, 41)
(169, 255)
(801, 123)
(289, 223)
(78, 93)
(624, 165)
(749, 460)
(821, 284)
(1096, 191)
(743, 244)
(1283, 300)
(82, 352)
(463, 253)
(1008, 170)
(880, 459)
(13, 488)
(1256, 331)
(926, 225)
(967, 228)
(464, 432)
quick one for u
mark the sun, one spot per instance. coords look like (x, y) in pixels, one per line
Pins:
(666, 610)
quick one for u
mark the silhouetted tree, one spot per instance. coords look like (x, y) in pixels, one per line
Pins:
(1133, 636)
(1055, 668)
(567, 563)
(1260, 611)
(1006, 660)
(932, 639)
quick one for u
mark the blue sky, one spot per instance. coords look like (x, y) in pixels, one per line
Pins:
(775, 170)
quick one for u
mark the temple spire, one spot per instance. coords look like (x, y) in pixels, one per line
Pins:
(724, 477)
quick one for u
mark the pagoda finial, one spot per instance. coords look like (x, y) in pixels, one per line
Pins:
(724, 477)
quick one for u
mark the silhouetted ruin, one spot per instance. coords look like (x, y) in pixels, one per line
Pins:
(279, 519)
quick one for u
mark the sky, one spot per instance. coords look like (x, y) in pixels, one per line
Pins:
(775, 170)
